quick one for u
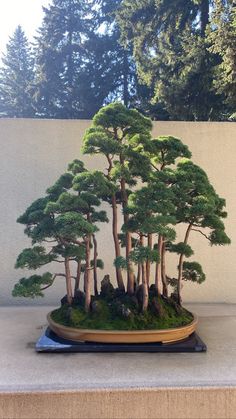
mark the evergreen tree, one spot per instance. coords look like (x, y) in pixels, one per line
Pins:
(174, 196)
(222, 41)
(150, 214)
(170, 50)
(90, 186)
(163, 152)
(198, 206)
(115, 133)
(119, 63)
(60, 58)
(80, 62)
(16, 78)
(61, 226)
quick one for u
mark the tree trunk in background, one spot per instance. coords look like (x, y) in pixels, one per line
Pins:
(180, 268)
(78, 275)
(130, 273)
(144, 280)
(68, 281)
(205, 10)
(87, 276)
(139, 273)
(145, 287)
(119, 276)
(95, 255)
(148, 264)
(158, 266)
(70, 65)
(163, 271)
(126, 81)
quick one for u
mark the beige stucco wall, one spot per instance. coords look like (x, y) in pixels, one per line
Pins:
(35, 152)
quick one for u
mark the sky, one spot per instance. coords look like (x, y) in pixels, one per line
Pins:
(27, 13)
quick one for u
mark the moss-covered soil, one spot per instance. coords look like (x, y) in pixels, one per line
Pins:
(122, 312)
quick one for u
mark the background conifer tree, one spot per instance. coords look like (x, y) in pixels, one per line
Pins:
(171, 53)
(222, 40)
(168, 59)
(16, 78)
(119, 63)
(60, 58)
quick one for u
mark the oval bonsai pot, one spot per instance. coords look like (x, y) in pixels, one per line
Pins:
(123, 336)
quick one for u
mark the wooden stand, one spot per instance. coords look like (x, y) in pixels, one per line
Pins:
(50, 342)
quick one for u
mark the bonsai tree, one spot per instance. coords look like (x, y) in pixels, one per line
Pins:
(65, 223)
(199, 208)
(164, 152)
(154, 186)
(115, 133)
(150, 211)
(89, 187)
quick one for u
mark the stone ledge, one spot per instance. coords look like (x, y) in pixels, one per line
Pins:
(117, 385)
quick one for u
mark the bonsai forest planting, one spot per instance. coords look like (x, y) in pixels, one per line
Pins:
(153, 186)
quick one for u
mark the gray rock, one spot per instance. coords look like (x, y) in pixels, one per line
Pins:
(107, 289)
(79, 298)
(124, 311)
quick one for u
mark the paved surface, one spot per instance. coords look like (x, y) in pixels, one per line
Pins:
(22, 369)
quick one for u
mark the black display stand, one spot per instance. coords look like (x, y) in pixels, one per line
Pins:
(50, 342)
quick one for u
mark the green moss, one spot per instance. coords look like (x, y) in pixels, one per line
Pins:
(107, 316)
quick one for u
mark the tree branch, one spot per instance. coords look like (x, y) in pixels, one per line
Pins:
(163, 160)
(109, 159)
(203, 234)
(53, 279)
(64, 241)
(156, 168)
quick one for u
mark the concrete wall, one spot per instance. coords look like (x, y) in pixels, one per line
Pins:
(35, 152)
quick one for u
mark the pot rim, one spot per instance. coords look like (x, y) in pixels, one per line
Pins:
(120, 331)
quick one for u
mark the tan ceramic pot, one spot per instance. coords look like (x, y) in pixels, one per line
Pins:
(123, 336)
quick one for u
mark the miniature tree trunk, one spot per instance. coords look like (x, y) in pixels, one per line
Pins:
(119, 276)
(158, 265)
(87, 276)
(139, 273)
(180, 266)
(68, 281)
(144, 287)
(144, 280)
(95, 255)
(130, 274)
(78, 275)
(163, 271)
(148, 264)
